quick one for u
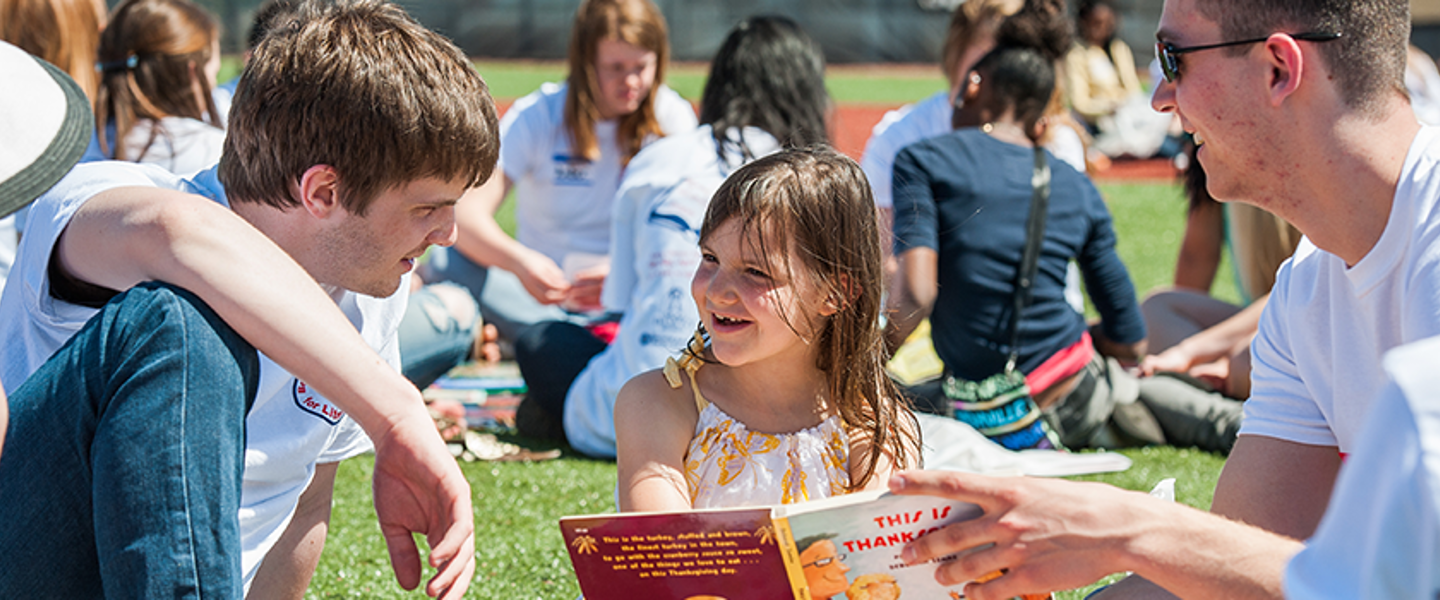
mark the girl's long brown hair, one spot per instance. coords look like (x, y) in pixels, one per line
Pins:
(636, 22)
(151, 55)
(819, 202)
(65, 33)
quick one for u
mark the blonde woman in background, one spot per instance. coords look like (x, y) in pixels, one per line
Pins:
(563, 151)
(1104, 88)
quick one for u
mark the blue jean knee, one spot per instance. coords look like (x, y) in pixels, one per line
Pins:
(437, 332)
(504, 302)
(123, 467)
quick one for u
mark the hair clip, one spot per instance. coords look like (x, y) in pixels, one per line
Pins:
(116, 65)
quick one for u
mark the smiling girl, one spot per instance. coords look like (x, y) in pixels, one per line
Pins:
(782, 397)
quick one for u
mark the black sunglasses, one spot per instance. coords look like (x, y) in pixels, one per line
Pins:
(1169, 54)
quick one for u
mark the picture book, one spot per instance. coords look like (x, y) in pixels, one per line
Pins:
(847, 547)
(490, 393)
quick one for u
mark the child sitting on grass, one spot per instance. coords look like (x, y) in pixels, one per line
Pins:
(782, 396)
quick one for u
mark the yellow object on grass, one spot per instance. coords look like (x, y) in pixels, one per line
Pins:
(915, 361)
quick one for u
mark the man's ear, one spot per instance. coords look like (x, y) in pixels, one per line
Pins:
(1286, 67)
(319, 191)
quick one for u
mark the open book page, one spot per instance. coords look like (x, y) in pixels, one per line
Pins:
(851, 544)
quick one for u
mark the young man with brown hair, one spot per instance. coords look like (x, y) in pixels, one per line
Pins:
(354, 132)
(1300, 109)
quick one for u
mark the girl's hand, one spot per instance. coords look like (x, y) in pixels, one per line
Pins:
(1215, 373)
(542, 278)
(1175, 360)
(1128, 354)
(584, 292)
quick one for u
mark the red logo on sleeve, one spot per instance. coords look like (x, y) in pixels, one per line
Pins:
(311, 402)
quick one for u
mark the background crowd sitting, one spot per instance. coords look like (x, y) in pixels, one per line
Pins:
(613, 173)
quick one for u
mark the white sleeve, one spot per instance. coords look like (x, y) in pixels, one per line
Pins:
(348, 439)
(32, 322)
(1421, 316)
(1380, 537)
(1066, 145)
(615, 295)
(521, 130)
(1281, 406)
(878, 161)
(674, 112)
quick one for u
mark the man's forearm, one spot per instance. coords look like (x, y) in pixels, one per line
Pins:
(128, 235)
(1194, 554)
(1277, 485)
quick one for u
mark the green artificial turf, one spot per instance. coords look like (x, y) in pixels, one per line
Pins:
(519, 553)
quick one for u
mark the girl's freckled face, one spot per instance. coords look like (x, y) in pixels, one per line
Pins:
(748, 303)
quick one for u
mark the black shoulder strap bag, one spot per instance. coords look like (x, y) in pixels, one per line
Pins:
(1000, 406)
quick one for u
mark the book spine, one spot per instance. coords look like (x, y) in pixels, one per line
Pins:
(791, 555)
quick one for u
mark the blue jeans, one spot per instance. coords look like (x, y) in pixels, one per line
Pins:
(122, 471)
(437, 332)
(503, 300)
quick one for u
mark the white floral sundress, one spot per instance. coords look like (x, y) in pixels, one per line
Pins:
(728, 465)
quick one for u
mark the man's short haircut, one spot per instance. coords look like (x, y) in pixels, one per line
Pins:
(1368, 61)
(266, 17)
(360, 86)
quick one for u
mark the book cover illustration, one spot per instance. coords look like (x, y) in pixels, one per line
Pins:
(490, 393)
(849, 546)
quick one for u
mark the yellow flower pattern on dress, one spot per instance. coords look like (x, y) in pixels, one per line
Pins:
(728, 465)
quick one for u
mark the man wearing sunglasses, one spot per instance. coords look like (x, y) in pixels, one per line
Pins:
(1299, 108)
(1304, 114)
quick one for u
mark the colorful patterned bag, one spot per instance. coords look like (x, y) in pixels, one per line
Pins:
(1000, 406)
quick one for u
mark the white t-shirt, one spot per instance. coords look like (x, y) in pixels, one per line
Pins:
(656, 227)
(1317, 354)
(926, 119)
(181, 146)
(1380, 537)
(562, 202)
(224, 96)
(289, 428)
